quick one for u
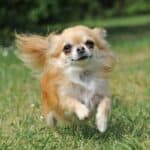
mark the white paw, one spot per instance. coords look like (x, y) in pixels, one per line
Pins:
(82, 112)
(50, 119)
(102, 125)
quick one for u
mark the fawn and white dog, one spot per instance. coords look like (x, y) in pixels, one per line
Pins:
(74, 68)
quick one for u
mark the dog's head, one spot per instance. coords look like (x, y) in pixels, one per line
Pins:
(75, 46)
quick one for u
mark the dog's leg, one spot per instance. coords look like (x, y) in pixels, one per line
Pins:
(50, 118)
(103, 112)
(74, 106)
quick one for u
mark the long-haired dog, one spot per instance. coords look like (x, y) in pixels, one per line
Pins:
(74, 69)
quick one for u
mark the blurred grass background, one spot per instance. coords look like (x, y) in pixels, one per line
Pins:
(128, 26)
(40, 16)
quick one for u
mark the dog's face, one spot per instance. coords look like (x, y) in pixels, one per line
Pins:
(79, 45)
(75, 46)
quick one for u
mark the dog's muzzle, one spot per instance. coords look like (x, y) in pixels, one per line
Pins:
(82, 57)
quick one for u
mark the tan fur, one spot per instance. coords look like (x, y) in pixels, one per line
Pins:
(58, 83)
(33, 49)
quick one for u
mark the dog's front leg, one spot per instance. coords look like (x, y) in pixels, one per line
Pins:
(103, 113)
(74, 106)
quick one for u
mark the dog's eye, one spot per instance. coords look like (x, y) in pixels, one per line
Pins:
(89, 44)
(67, 48)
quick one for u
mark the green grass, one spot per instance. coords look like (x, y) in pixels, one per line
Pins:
(124, 21)
(116, 22)
(21, 126)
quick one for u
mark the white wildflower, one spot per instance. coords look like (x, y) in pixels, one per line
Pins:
(32, 105)
(41, 117)
(5, 53)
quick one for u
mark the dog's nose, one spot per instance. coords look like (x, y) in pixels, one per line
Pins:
(81, 50)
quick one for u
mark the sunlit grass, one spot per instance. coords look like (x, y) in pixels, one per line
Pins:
(124, 21)
(129, 21)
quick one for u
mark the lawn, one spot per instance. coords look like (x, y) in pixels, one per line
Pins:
(21, 123)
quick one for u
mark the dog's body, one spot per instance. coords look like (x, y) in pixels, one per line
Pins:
(74, 67)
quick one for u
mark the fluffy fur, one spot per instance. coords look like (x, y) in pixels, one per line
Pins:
(74, 69)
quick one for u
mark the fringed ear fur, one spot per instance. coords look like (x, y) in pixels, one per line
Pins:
(110, 60)
(32, 50)
(100, 32)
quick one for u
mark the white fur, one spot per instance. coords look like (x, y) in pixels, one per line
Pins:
(82, 112)
(103, 113)
(87, 85)
(50, 119)
(101, 122)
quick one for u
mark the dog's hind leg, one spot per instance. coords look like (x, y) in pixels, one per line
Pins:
(103, 113)
(51, 120)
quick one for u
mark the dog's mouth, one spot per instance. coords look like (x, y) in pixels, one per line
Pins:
(82, 58)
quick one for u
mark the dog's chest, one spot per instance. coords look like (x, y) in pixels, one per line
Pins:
(84, 89)
(87, 88)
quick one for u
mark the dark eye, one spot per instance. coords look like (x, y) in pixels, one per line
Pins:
(67, 48)
(89, 44)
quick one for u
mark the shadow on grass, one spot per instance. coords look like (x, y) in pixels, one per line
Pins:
(137, 30)
(128, 32)
(87, 130)
(122, 122)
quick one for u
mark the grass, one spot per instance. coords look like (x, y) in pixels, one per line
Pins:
(21, 124)
(128, 21)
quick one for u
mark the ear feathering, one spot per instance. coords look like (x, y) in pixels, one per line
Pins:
(109, 61)
(32, 50)
(101, 32)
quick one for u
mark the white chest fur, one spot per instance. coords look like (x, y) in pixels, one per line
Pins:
(87, 87)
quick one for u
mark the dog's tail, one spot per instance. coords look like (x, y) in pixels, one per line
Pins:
(32, 50)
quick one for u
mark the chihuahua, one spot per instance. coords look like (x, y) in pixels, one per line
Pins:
(74, 66)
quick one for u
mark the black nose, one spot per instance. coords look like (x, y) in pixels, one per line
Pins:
(81, 50)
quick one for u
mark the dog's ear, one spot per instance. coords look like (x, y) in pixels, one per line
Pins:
(100, 35)
(109, 60)
(54, 41)
(32, 50)
(100, 32)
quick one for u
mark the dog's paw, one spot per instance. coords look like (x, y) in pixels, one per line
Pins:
(102, 125)
(82, 112)
(51, 120)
